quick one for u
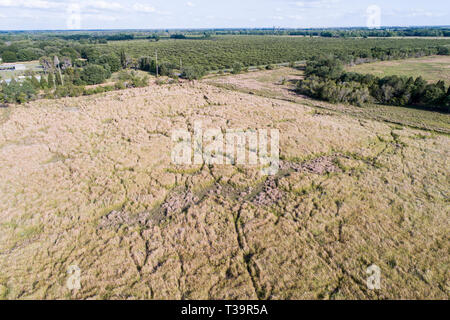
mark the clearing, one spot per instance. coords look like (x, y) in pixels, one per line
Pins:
(32, 66)
(432, 68)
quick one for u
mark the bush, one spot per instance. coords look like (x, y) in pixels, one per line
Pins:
(119, 85)
(237, 68)
(443, 51)
(137, 82)
(167, 69)
(16, 92)
(193, 73)
(94, 74)
(43, 83)
(328, 68)
(111, 60)
(124, 76)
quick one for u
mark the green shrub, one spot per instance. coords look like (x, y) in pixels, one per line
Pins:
(193, 72)
(94, 74)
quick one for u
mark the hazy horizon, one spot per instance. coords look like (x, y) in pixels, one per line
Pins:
(35, 15)
(215, 28)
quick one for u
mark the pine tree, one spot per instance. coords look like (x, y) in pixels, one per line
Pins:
(35, 82)
(51, 80)
(43, 83)
(58, 79)
(123, 59)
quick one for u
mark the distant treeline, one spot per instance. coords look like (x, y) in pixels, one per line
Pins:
(443, 31)
(97, 38)
(326, 80)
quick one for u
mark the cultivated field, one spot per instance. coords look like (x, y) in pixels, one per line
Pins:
(432, 69)
(221, 52)
(88, 181)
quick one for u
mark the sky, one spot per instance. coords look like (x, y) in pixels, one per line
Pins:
(172, 14)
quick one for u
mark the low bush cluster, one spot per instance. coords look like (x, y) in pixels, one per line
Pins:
(326, 80)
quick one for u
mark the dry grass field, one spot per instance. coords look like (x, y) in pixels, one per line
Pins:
(88, 181)
(280, 84)
(432, 69)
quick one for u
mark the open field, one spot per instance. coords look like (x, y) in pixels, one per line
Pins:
(88, 181)
(432, 69)
(30, 65)
(280, 84)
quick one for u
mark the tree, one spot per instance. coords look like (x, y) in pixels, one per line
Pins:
(94, 74)
(147, 64)
(112, 60)
(35, 83)
(43, 83)
(51, 80)
(46, 63)
(123, 59)
(166, 69)
(446, 102)
(419, 88)
(433, 95)
(193, 72)
(91, 54)
(58, 79)
(17, 92)
(66, 63)
(69, 52)
(237, 68)
(329, 68)
(9, 56)
(29, 54)
(443, 51)
(177, 36)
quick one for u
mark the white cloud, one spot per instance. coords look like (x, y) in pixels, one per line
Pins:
(101, 17)
(143, 8)
(295, 17)
(423, 13)
(413, 13)
(43, 4)
(322, 4)
(31, 4)
(104, 5)
(190, 4)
